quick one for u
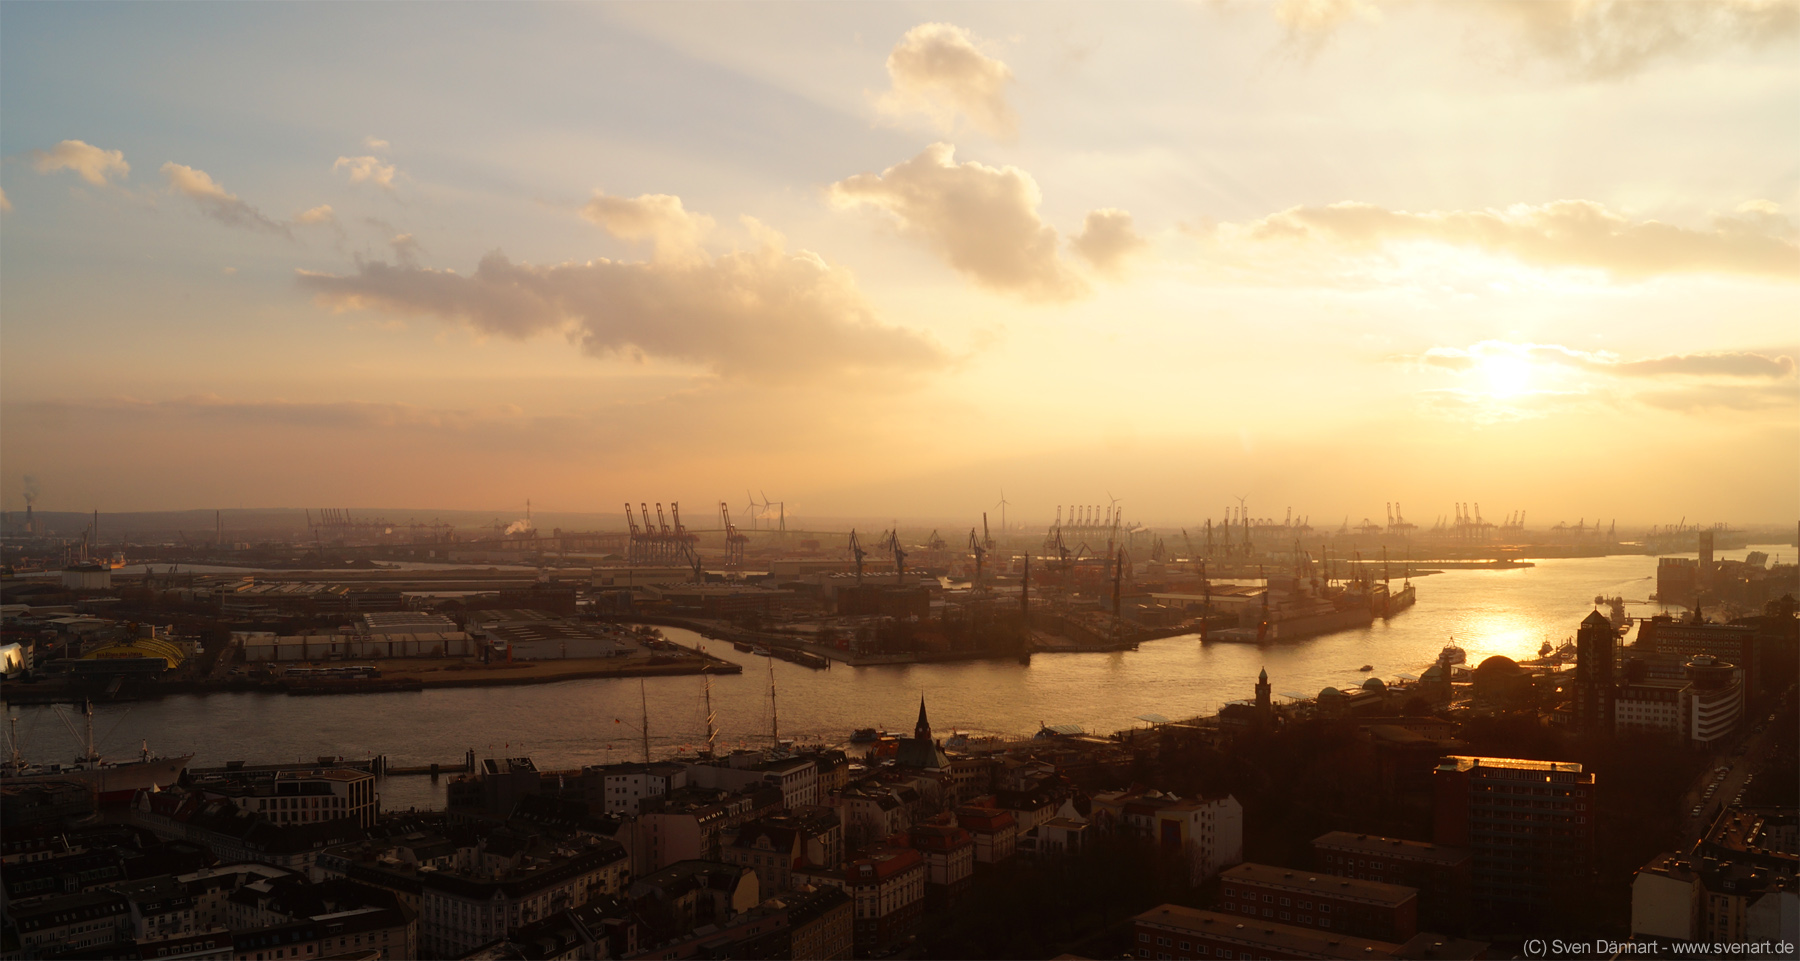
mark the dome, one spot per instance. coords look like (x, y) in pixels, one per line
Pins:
(1375, 684)
(1499, 662)
(1433, 672)
(1596, 619)
(1330, 692)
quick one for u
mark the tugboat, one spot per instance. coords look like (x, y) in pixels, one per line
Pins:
(864, 735)
(1366, 668)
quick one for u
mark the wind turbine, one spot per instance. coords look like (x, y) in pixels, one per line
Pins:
(750, 508)
(1002, 505)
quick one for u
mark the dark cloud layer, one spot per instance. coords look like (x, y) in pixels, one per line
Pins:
(761, 314)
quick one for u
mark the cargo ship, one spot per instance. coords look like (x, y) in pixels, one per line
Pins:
(111, 781)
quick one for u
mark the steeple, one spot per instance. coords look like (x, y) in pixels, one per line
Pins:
(1263, 702)
(922, 730)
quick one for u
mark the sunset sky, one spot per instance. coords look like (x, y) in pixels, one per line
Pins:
(889, 259)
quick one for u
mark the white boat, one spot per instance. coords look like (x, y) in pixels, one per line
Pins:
(111, 781)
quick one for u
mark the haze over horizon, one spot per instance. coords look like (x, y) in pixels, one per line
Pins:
(888, 260)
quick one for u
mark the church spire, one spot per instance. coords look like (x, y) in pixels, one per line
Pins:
(922, 730)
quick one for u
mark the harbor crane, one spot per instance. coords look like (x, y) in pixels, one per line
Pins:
(976, 548)
(734, 539)
(857, 552)
(891, 541)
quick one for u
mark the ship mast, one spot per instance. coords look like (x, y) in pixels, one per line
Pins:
(644, 701)
(774, 712)
(16, 760)
(712, 733)
(87, 708)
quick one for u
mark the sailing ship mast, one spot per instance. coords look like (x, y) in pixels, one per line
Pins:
(643, 699)
(92, 756)
(774, 712)
(712, 732)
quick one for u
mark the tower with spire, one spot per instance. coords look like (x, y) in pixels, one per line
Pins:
(920, 751)
(1263, 704)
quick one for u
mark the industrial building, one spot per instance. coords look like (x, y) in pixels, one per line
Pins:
(532, 635)
(262, 646)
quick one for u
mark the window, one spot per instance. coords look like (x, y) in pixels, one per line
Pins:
(1144, 938)
(1284, 902)
(1324, 908)
(1268, 899)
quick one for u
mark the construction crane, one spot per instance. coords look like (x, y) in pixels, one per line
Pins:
(987, 539)
(979, 550)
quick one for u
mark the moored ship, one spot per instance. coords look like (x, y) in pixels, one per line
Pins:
(111, 781)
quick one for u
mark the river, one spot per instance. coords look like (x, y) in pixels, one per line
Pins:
(572, 723)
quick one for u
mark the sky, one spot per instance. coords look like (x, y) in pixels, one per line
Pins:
(905, 259)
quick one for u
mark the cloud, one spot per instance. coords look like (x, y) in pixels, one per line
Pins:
(1757, 240)
(367, 169)
(937, 70)
(406, 249)
(1728, 364)
(376, 143)
(279, 413)
(983, 220)
(322, 214)
(1107, 240)
(1588, 39)
(5, 204)
(215, 202)
(673, 232)
(760, 314)
(94, 165)
(1309, 23)
(1607, 39)
(1523, 380)
(1741, 397)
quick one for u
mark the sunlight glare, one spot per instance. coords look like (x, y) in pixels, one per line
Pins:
(1506, 376)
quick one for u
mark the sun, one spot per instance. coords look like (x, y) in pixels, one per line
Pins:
(1506, 376)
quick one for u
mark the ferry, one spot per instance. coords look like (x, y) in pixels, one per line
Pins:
(1451, 654)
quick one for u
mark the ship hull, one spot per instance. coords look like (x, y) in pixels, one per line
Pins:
(113, 783)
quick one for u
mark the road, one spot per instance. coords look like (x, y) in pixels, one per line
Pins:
(1740, 764)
